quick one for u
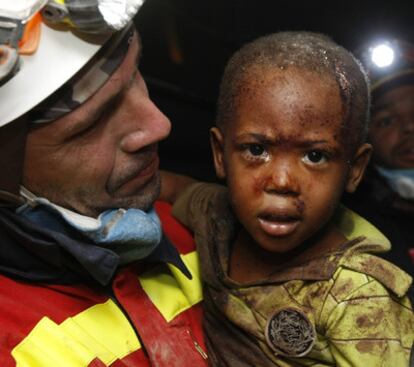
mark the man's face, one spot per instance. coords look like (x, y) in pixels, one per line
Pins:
(103, 154)
(283, 157)
(392, 128)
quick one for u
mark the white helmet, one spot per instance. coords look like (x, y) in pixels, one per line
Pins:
(28, 79)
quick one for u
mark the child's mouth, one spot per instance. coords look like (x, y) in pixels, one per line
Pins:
(278, 226)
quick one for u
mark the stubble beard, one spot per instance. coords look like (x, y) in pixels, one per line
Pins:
(142, 200)
(88, 201)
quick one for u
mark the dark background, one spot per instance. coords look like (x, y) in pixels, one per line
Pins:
(186, 44)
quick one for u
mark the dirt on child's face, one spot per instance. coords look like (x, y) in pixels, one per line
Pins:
(284, 157)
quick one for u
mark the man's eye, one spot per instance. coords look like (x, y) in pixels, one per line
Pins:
(256, 149)
(384, 122)
(315, 157)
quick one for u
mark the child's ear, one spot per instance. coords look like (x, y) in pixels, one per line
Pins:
(217, 146)
(358, 165)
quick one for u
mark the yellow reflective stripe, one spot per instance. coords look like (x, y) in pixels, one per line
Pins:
(47, 345)
(101, 331)
(191, 288)
(173, 293)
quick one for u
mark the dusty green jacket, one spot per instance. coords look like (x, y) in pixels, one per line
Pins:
(352, 303)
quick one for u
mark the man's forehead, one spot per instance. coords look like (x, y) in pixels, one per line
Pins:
(394, 97)
(117, 83)
(88, 82)
(126, 70)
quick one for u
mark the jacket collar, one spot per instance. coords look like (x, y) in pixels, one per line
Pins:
(35, 253)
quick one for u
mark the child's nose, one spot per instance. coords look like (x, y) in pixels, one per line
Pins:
(282, 179)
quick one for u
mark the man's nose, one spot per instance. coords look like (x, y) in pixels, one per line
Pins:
(281, 178)
(407, 124)
(148, 126)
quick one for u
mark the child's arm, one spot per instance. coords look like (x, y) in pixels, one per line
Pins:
(172, 185)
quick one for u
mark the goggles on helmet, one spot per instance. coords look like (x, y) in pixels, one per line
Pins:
(20, 23)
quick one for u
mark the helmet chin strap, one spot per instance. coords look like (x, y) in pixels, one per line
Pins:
(12, 143)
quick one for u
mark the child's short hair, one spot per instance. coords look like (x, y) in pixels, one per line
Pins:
(305, 50)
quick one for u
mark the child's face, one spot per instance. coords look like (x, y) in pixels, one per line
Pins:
(283, 157)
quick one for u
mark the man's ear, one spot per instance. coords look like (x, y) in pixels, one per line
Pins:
(217, 146)
(358, 165)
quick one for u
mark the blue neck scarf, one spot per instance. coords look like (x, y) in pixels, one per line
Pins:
(400, 180)
(132, 234)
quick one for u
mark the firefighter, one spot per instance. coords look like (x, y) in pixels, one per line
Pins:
(92, 272)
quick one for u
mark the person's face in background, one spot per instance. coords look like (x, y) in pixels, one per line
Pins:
(392, 128)
(103, 154)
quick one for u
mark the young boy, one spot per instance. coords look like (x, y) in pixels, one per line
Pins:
(290, 278)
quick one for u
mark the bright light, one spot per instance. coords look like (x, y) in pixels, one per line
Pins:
(382, 56)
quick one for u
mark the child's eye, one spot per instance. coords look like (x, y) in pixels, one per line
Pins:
(254, 152)
(315, 157)
(256, 149)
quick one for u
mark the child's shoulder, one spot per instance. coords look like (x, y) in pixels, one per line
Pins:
(368, 297)
(362, 274)
(359, 266)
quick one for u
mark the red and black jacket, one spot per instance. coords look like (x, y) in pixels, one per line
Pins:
(52, 313)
